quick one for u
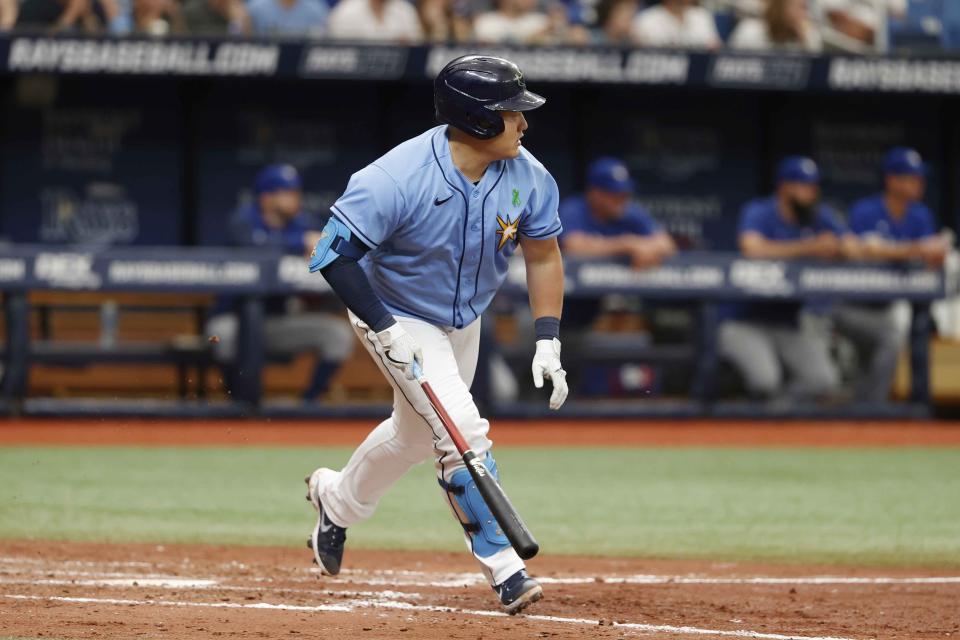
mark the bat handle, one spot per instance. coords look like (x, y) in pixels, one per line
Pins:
(418, 372)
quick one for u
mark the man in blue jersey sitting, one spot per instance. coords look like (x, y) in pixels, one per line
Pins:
(604, 222)
(894, 226)
(275, 221)
(762, 339)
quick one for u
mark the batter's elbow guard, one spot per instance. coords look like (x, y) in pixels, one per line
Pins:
(334, 242)
(472, 511)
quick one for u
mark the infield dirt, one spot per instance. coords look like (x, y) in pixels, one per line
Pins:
(71, 590)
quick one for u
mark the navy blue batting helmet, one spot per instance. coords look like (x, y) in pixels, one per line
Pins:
(470, 90)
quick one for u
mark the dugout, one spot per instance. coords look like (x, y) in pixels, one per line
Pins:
(155, 144)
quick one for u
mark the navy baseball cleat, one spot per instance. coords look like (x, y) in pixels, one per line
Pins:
(518, 592)
(327, 539)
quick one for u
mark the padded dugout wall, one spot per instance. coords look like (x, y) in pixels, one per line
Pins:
(128, 160)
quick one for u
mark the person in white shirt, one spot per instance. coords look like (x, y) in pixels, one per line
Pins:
(859, 19)
(785, 26)
(384, 20)
(513, 21)
(676, 23)
(446, 20)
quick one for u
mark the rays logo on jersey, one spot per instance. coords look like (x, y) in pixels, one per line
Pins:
(508, 231)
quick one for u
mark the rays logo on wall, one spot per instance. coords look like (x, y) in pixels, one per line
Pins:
(104, 215)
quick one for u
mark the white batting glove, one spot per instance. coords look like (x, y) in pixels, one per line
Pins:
(400, 349)
(546, 364)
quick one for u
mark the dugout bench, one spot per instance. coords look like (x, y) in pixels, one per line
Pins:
(707, 278)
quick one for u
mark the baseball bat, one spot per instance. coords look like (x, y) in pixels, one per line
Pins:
(507, 517)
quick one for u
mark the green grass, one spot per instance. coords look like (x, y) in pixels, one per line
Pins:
(871, 506)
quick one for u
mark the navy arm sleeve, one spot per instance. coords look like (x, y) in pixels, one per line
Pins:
(351, 285)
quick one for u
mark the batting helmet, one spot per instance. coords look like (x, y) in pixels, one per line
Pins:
(470, 90)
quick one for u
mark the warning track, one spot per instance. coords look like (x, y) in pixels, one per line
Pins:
(511, 433)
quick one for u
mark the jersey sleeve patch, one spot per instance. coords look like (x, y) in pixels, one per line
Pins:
(334, 236)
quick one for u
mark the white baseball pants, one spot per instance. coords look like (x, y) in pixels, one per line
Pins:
(412, 434)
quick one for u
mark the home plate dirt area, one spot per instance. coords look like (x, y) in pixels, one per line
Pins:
(73, 590)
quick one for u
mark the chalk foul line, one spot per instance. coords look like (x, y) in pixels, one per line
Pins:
(352, 605)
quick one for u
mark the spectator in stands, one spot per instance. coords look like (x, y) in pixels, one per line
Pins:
(761, 338)
(519, 22)
(676, 23)
(896, 226)
(563, 29)
(292, 18)
(9, 10)
(53, 15)
(446, 20)
(858, 20)
(785, 26)
(579, 12)
(951, 25)
(157, 17)
(741, 8)
(615, 21)
(216, 17)
(381, 20)
(275, 220)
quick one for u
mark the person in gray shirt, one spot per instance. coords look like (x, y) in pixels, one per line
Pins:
(216, 17)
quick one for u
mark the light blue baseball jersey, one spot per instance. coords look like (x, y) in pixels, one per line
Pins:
(440, 244)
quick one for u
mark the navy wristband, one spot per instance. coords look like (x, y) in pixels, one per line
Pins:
(547, 328)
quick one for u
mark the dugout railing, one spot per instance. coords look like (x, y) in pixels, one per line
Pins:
(707, 279)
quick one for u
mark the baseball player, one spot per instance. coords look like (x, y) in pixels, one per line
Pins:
(894, 225)
(276, 220)
(416, 248)
(761, 339)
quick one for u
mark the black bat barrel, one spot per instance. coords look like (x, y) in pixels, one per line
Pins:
(507, 517)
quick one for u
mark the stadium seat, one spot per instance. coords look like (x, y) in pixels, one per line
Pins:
(951, 25)
(921, 29)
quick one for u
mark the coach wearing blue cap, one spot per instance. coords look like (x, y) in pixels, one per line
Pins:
(274, 220)
(776, 346)
(274, 217)
(604, 222)
(895, 226)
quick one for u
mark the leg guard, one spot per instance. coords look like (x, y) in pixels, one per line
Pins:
(472, 512)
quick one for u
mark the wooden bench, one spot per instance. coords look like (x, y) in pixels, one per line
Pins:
(162, 336)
